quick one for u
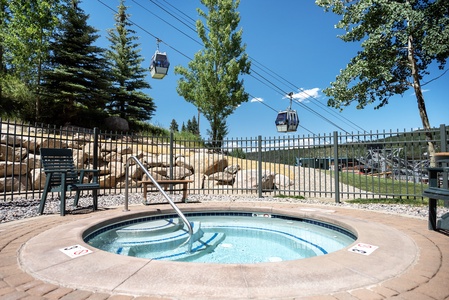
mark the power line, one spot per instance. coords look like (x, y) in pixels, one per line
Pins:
(146, 31)
(271, 84)
(271, 72)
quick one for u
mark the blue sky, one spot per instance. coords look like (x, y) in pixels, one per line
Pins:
(294, 47)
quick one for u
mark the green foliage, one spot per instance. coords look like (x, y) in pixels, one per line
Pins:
(380, 186)
(26, 28)
(174, 126)
(78, 81)
(403, 201)
(238, 152)
(407, 201)
(14, 98)
(211, 81)
(188, 139)
(393, 35)
(400, 39)
(192, 126)
(128, 99)
(288, 196)
(149, 129)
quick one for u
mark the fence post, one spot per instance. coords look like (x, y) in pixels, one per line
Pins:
(171, 154)
(336, 171)
(259, 160)
(95, 164)
(443, 148)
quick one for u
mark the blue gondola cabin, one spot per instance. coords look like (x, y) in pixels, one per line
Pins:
(159, 65)
(287, 121)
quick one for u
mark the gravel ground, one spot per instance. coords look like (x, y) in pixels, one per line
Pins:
(21, 209)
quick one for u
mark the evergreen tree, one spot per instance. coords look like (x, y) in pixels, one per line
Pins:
(174, 126)
(212, 81)
(128, 100)
(194, 126)
(189, 126)
(183, 127)
(78, 84)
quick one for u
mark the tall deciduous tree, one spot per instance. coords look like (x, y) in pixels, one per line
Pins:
(78, 84)
(128, 99)
(211, 81)
(26, 28)
(400, 39)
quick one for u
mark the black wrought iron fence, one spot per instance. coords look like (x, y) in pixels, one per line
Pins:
(334, 166)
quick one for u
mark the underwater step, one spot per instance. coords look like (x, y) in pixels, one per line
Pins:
(145, 229)
(159, 242)
(205, 245)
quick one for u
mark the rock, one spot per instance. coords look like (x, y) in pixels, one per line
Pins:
(116, 124)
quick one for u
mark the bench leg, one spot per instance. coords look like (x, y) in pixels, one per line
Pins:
(184, 192)
(95, 199)
(432, 223)
(63, 190)
(145, 186)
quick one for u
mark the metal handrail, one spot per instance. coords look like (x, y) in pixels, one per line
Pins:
(156, 184)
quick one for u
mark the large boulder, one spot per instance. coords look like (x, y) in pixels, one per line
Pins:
(210, 163)
(116, 124)
(249, 179)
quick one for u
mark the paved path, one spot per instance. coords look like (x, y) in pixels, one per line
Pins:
(427, 277)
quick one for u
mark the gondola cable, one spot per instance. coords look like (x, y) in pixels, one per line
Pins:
(186, 56)
(345, 120)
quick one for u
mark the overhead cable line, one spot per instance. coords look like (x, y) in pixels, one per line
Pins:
(191, 27)
(274, 87)
(271, 72)
(146, 31)
(283, 93)
(284, 80)
(263, 103)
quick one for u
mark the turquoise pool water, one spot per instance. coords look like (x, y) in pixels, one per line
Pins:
(222, 237)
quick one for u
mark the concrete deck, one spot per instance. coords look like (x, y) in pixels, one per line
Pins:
(410, 263)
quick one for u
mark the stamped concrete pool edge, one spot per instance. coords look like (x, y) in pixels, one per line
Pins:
(332, 273)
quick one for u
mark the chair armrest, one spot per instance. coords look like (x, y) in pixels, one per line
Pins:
(89, 170)
(57, 171)
(438, 169)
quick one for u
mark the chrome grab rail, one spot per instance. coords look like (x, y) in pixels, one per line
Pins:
(156, 184)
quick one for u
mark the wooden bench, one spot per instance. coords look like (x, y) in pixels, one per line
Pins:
(436, 192)
(165, 183)
(62, 176)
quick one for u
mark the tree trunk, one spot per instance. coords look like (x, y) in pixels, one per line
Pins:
(421, 103)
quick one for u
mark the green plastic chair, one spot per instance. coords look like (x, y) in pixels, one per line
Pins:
(62, 176)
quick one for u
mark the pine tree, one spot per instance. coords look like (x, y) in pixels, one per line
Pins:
(189, 126)
(174, 126)
(194, 126)
(128, 100)
(77, 85)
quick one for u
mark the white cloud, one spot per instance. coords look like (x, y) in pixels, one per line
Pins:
(256, 99)
(304, 94)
